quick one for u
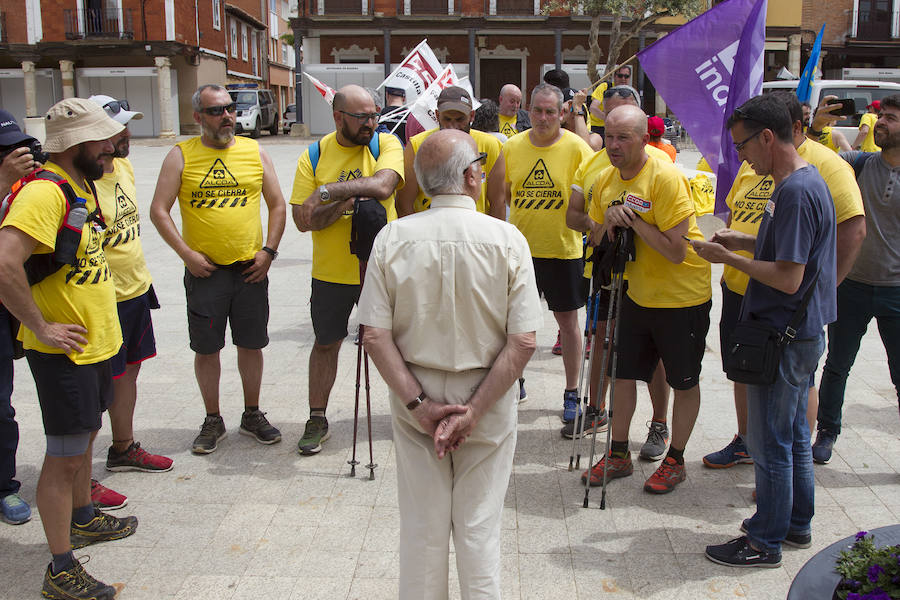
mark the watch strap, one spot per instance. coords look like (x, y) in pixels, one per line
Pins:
(415, 403)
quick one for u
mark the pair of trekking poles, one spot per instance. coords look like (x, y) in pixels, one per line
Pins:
(608, 270)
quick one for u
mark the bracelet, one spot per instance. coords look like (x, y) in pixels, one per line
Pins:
(270, 252)
(417, 402)
(814, 132)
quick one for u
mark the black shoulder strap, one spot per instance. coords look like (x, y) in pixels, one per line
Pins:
(790, 332)
(860, 162)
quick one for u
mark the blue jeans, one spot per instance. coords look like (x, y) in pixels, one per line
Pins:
(9, 429)
(857, 304)
(778, 440)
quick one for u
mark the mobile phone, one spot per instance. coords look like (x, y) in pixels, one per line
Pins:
(848, 106)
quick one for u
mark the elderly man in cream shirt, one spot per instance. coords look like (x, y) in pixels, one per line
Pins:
(450, 309)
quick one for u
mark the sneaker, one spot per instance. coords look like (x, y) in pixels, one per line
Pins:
(15, 511)
(618, 467)
(739, 553)
(657, 441)
(571, 406)
(255, 424)
(211, 432)
(665, 478)
(523, 395)
(75, 584)
(557, 347)
(102, 528)
(735, 453)
(137, 459)
(823, 447)
(797, 540)
(314, 434)
(594, 420)
(105, 498)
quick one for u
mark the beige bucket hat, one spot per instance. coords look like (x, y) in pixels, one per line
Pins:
(74, 121)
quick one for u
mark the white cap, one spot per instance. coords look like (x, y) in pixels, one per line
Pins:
(114, 110)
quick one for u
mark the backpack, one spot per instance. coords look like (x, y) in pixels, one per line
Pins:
(315, 151)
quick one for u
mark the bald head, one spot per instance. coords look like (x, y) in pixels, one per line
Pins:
(442, 160)
(351, 96)
(510, 99)
(627, 116)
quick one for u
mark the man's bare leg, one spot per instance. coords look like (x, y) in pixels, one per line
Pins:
(208, 370)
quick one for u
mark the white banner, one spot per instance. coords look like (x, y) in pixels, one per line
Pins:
(324, 89)
(417, 71)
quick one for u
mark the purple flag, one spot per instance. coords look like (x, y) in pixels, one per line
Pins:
(704, 70)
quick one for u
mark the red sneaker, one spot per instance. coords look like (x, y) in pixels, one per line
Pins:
(557, 347)
(105, 498)
(137, 459)
(667, 476)
(618, 467)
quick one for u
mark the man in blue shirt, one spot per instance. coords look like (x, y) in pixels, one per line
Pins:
(793, 251)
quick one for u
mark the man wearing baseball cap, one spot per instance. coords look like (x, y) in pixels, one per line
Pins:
(16, 161)
(135, 298)
(656, 127)
(70, 332)
(454, 111)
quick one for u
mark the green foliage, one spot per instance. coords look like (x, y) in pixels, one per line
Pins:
(287, 38)
(869, 573)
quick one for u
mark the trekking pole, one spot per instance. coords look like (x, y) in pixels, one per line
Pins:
(371, 466)
(603, 357)
(359, 354)
(590, 325)
(584, 352)
(612, 383)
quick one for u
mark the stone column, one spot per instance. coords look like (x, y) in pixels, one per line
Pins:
(794, 54)
(164, 90)
(67, 68)
(30, 94)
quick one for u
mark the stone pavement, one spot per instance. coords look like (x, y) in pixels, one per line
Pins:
(253, 521)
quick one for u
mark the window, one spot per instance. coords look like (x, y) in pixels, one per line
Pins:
(244, 41)
(217, 12)
(254, 53)
(234, 38)
(273, 22)
(284, 52)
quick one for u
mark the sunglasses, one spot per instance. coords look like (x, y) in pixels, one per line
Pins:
(114, 107)
(363, 117)
(740, 145)
(618, 91)
(623, 75)
(482, 156)
(218, 111)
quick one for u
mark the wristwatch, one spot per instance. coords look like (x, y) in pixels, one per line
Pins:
(415, 403)
(272, 253)
(324, 196)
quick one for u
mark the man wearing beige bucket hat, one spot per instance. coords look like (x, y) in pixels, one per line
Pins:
(70, 330)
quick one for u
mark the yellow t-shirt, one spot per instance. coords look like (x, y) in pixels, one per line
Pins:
(332, 260)
(868, 144)
(659, 195)
(597, 96)
(826, 139)
(220, 199)
(540, 182)
(486, 143)
(122, 236)
(702, 165)
(508, 124)
(82, 295)
(750, 192)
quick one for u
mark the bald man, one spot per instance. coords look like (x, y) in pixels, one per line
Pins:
(352, 162)
(513, 119)
(451, 366)
(665, 313)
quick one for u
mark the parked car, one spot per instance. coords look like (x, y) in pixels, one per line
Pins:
(289, 118)
(256, 109)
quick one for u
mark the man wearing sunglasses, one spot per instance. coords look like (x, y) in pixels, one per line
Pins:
(621, 77)
(454, 111)
(352, 162)
(218, 179)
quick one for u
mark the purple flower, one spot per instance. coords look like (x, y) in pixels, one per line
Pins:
(878, 594)
(860, 535)
(853, 596)
(874, 572)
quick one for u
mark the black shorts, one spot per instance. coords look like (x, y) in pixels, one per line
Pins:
(138, 341)
(677, 336)
(330, 306)
(731, 313)
(224, 297)
(72, 397)
(562, 282)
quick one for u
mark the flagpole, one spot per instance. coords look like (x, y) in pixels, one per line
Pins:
(612, 72)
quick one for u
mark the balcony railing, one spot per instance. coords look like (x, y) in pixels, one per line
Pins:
(877, 26)
(98, 23)
(510, 7)
(426, 7)
(341, 7)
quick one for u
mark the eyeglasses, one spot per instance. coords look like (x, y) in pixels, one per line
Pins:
(362, 117)
(114, 107)
(740, 145)
(482, 156)
(621, 92)
(218, 111)
(623, 75)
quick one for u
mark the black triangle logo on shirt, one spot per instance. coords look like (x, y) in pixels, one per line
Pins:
(124, 204)
(508, 130)
(218, 176)
(762, 190)
(539, 178)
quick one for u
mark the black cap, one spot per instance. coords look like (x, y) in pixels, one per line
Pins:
(10, 134)
(395, 91)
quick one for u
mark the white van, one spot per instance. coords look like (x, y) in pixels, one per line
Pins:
(862, 93)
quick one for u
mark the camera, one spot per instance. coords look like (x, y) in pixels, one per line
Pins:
(34, 147)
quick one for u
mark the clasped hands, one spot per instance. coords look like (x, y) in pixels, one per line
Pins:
(448, 424)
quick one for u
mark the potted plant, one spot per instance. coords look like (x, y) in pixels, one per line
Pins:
(868, 572)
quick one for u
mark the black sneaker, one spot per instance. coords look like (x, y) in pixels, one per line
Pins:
(594, 420)
(75, 584)
(739, 553)
(102, 528)
(314, 434)
(255, 424)
(797, 540)
(212, 430)
(823, 446)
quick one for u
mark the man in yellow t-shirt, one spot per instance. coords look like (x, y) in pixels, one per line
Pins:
(540, 164)
(70, 332)
(665, 313)
(747, 200)
(217, 179)
(512, 119)
(454, 111)
(865, 139)
(621, 77)
(352, 162)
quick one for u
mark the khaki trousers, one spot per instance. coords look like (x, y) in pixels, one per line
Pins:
(460, 495)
